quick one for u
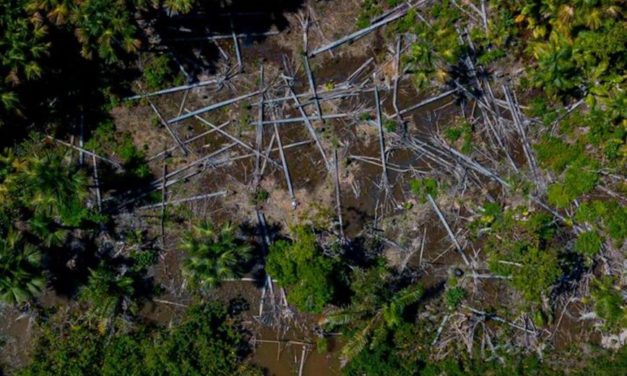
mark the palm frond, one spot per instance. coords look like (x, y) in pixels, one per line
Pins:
(340, 318)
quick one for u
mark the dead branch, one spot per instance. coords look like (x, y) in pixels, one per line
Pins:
(188, 141)
(212, 107)
(310, 127)
(494, 317)
(259, 131)
(338, 203)
(97, 182)
(183, 200)
(233, 138)
(174, 89)
(381, 140)
(92, 154)
(448, 230)
(286, 171)
(424, 103)
(312, 85)
(173, 134)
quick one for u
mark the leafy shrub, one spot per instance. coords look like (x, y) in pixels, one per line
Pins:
(260, 197)
(520, 246)
(609, 215)
(208, 341)
(555, 154)
(606, 363)
(454, 296)
(110, 292)
(158, 72)
(302, 268)
(581, 177)
(608, 303)
(369, 9)
(588, 243)
(539, 271)
(463, 131)
(424, 187)
(557, 195)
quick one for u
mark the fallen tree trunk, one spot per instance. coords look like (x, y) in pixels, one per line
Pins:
(363, 32)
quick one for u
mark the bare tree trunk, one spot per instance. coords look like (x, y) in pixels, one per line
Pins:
(259, 133)
(337, 195)
(286, 171)
(381, 140)
(97, 182)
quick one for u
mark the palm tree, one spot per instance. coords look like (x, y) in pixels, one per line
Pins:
(102, 27)
(22, 44)
(373, 313)
(213, 256)
(53, 189)
(20, 270)
(109, 292)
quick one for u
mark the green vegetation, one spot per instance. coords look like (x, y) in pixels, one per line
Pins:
(609, 304)
(462, 135)
(213, 255)
(20, 270)
(588, 243)
(608, 215)
(300, 266)
(423, 188)
(261, 196)
(454, 296)
(369, 9)
(607, 363)
(158, 73)
(43, 187)
(377, 309)
(22, 46)
(110, 292)
(520, 246)
(207, 341)
(437, 47)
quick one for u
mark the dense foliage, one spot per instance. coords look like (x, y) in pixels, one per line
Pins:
(207, 341)
(376, 313)
(20, 270)
(213, 255)
(300, 266)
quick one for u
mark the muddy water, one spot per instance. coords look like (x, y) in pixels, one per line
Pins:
(284, 359)
(15, 333)
(17, 329)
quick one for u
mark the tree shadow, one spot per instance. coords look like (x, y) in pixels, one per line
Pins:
(185, 36)
(70, 265)
(73, 92)
(573, 267)
(256, 232)
(430, 293)
(362, 251)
